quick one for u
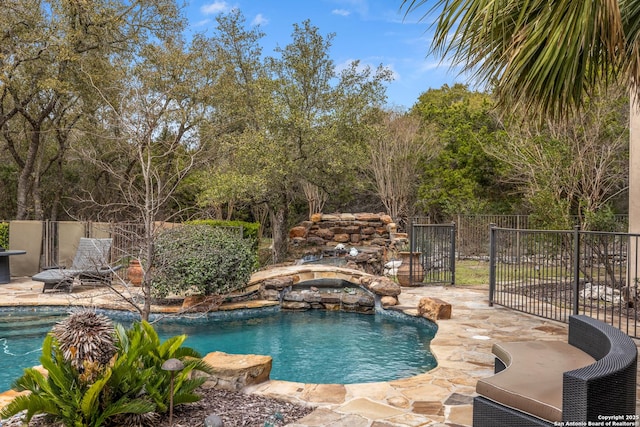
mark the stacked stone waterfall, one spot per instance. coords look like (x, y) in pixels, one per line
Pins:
(365, 237)
(349, 229)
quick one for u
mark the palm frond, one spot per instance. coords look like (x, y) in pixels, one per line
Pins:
(541, 54)
(630, 12)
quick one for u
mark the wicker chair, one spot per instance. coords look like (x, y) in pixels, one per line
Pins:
(606, 387)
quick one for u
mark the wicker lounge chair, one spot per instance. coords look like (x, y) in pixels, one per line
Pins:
(603, 385)
(90, 265)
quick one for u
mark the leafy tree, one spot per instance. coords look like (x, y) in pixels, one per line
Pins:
(226, 190)
(574, 167)
(153, 130)
(319, 127)
(49, 50)
(294, 120)
(547, 56)
(462, 178)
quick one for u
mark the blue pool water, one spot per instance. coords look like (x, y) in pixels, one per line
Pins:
(310, 347)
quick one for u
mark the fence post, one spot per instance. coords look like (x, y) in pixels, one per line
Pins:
(576, 268)
(492, 262)
(452, 262)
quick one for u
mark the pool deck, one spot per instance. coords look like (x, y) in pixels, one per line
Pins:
(441, 397)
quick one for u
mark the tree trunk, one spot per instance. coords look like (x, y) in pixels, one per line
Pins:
(279, 220)
(146, 276)
(25, 179)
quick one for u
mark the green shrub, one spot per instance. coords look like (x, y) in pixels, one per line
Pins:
(4, 234)
(250, 230)
(129, 390)
(201, 260)
(602, 220)
(140, 345)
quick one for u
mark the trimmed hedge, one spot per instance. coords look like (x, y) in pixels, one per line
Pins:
(4, 234)
(201, 260)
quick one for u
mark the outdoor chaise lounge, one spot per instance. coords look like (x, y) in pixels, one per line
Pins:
(90, 265)
(589, 380)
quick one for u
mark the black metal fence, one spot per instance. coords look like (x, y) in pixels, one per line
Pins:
(436, 244)
(472, 239)
(554, 274)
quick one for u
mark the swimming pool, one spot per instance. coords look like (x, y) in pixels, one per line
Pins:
(314, 346)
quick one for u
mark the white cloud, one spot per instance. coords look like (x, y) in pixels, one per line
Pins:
(361, 6)
(215, 7)
(259, 20)
(433, 65)
(202, 23)
(341, 12)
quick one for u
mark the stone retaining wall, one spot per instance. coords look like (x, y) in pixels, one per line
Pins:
(362, 239)
(350, 297)
(349, 229)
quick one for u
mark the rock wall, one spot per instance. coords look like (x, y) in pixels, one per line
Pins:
(332, 298)
(349, 229)
(368, 233)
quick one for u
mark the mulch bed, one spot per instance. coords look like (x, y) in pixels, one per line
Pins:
(236, 409)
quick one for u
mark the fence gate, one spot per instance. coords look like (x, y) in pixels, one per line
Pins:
(436, 244)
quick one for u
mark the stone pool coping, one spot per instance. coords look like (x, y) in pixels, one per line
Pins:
(439, 397)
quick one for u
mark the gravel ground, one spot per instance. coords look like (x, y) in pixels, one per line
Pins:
(236, 409)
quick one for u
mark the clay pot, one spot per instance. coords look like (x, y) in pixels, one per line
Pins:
(135, 273)
(404, 269)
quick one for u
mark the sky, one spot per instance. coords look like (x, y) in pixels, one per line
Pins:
(376, 32)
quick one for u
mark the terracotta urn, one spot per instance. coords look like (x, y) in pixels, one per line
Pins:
(135, 273)
(416, 269)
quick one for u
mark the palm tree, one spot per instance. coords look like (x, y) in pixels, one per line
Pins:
(546, 55)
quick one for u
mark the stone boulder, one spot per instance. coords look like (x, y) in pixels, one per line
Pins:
(323, 233)
(270, 295)
(330, 217)
(278, 283)
(295, 296)
(236, 371)
(341, 238)
(388, 301)
(201, 303)
(386, 219)
(298, 231)
(434, 309)
(601, 292)
(366, 216)
(316, 217)
(295, 305)
(381, 286)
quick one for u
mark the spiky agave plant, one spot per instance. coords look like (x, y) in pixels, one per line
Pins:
(86, 339)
